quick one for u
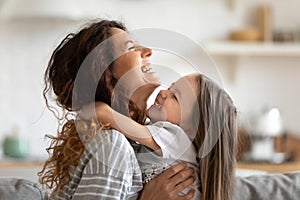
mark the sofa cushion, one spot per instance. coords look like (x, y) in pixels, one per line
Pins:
(268, 186)
(21, 189)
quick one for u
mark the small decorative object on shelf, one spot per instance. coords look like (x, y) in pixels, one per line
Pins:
(283, 36)
(263, 129)
(247, 34)
(15, 145)
(265, 22)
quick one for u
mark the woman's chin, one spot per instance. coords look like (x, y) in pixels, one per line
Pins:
(151, 78)
(148, 88)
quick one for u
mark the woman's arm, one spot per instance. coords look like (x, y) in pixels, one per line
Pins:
(125, 125)
(168, 184)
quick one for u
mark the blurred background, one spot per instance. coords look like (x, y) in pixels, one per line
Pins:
(255, 45)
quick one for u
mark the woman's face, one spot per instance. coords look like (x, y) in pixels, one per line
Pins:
(132, 67)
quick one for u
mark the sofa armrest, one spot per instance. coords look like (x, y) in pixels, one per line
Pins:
(17, 189)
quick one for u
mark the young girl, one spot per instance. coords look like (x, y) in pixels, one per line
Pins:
(193, 110)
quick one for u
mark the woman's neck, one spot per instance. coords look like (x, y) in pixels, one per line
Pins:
(141, 95)
(140, 101)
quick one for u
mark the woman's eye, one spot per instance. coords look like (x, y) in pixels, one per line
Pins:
(132, 48)
(130, 45)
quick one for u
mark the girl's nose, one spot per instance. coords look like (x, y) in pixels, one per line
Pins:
(146, 52)
(163, 93)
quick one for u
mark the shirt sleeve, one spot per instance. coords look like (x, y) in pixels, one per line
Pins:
(111, 170)
(173, 141)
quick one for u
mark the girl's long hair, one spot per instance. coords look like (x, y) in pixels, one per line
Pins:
(66, 147)
(215, 140)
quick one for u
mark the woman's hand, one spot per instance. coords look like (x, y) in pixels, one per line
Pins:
(168, 184)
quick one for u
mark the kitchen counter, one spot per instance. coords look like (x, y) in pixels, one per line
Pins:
(270, 167)
(21, 168)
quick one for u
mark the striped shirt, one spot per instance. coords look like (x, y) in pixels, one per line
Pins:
(108, 169)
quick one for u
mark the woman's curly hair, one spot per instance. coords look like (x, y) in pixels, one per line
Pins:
(66, 148)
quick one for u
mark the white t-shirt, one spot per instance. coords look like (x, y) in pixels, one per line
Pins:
(175, 147)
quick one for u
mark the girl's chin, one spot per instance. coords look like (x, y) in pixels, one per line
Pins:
(154, 115)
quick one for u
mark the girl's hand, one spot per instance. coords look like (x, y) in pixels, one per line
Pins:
(168, 184)
(98, 110)
(102, 110)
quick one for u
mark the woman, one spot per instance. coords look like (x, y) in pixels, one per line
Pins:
(87, 166)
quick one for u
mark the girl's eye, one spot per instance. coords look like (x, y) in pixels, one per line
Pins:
(174, 96)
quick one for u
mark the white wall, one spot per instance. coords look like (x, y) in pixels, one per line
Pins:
(25, 50)
(26, 46)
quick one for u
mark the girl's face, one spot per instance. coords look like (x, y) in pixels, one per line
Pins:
(132, 67)
(175, 104)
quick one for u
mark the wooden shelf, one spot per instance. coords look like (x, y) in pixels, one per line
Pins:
(232, 48)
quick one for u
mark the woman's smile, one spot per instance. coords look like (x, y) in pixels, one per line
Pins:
(147, 68)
